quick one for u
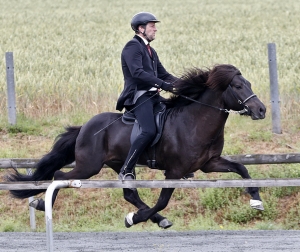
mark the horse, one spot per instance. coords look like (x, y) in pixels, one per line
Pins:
(192, 139)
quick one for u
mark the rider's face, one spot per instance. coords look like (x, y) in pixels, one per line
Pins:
(150, 30)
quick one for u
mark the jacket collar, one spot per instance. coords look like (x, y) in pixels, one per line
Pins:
(139, 39)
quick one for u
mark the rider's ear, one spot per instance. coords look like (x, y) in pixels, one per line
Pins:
(141, 28)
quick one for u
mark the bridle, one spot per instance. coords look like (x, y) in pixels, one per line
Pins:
(246, 109)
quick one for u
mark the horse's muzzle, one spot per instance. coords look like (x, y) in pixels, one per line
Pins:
(259, 114)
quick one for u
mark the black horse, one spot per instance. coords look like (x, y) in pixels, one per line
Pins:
(192, 139)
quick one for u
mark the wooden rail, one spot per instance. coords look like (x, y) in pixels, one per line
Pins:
(250, 159)
(159, 184)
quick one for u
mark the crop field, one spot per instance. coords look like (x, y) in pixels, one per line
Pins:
(67, 53)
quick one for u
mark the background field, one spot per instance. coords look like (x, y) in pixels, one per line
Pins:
(67, 53)
(67, 69)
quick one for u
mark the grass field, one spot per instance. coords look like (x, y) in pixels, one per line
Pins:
(67, 53)
(67, 69)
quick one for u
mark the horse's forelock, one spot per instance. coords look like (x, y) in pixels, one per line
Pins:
(221, 75)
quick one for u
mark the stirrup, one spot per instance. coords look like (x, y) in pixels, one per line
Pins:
(126, 176)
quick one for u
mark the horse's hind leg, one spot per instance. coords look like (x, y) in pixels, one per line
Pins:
(76, 173)
(223, 165)
(39, 204)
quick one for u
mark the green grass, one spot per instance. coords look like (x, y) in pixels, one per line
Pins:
(67, 69)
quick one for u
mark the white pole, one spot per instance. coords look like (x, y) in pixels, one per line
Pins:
(48, 206)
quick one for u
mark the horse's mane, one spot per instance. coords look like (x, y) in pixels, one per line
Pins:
(195, 81)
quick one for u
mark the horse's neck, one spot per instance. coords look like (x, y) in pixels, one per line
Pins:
(208, 113)
(212, 98)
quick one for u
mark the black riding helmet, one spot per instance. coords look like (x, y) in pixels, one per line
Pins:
(142, 18)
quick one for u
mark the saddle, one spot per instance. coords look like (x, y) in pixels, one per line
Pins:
(160, 117)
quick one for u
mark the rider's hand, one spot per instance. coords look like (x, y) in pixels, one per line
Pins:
(167, 87)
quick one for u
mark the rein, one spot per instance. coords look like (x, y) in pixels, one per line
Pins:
(220, 109)
(243, 111)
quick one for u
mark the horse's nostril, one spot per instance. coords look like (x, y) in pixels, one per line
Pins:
(262, 112)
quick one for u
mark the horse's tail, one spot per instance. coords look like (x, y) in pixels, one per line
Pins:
(61, 154)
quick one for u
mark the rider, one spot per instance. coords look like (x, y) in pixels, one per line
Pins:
(144, 75)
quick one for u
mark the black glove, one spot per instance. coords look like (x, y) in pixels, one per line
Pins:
(167, 86)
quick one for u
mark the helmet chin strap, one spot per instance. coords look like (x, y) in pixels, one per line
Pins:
(144, 34)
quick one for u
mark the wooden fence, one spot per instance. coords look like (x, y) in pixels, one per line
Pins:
(244, 159)
(51, 186)
(249, 159)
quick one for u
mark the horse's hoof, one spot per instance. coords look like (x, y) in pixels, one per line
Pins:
(34, 203)
(129, 220)
(257, 204)
(165, 223)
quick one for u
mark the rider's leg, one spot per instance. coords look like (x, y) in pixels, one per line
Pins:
(144, 115)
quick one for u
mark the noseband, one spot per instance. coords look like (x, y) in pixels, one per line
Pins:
(245, 110)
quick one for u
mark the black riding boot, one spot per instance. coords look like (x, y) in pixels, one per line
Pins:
(137, 148)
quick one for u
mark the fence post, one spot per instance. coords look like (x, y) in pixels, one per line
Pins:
(275, 102)
(12, 117)
(11, 96)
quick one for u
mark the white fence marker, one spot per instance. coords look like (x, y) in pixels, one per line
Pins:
(48, 206)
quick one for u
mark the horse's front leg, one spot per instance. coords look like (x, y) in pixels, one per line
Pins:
(132, 196)
(145, 214)
(220, 164)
